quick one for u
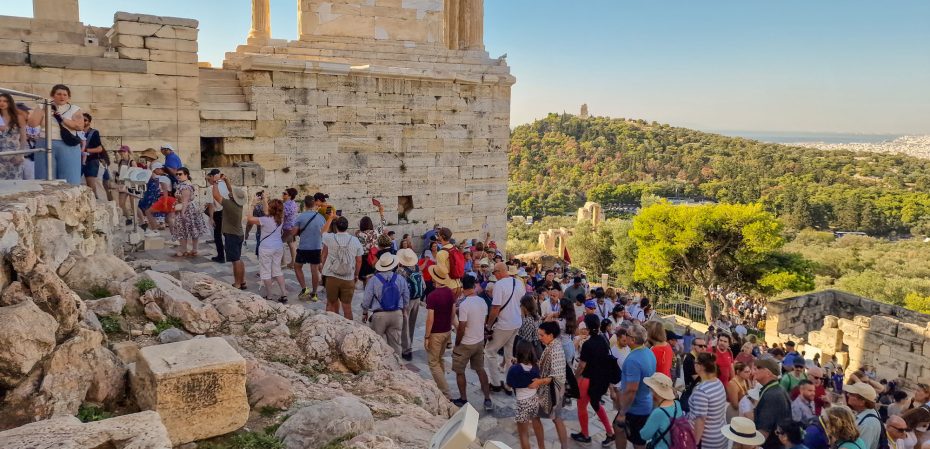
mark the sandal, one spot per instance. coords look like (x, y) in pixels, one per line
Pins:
(184, 254)
(242, 286)
(190, 254)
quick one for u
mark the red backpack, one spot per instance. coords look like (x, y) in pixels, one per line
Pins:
(456, 263)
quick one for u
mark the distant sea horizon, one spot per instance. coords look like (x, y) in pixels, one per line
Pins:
(800, 137)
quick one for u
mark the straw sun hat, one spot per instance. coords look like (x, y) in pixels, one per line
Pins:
(743, 431)
(661, 385)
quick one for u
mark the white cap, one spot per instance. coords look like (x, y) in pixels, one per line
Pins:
(168, 146)
(156, 165)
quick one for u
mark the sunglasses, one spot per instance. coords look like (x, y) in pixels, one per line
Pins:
(896, 428)
(700, 346)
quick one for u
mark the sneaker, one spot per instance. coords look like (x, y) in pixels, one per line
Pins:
(408, 356)
(579, 437)
(283, 300)
(128, 221)
(488, 405)
(314, 298)
(304, 293)
(609, 441)
(218, 259)
(459, 402)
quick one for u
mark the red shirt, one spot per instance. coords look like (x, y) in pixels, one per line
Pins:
(440, 301)
(663, 359)
(724, 365)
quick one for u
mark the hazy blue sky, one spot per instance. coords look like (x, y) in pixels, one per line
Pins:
(787, 65)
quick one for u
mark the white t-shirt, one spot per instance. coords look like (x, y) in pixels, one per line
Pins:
(547, 307)
(509, 318)
(67, 112)
(740, 330)
(332, 241)
(224, 192)
(473, 311)
(636, 312)
(604, 310)
(271, 234)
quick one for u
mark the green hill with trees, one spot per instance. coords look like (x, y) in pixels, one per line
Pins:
(559, 162)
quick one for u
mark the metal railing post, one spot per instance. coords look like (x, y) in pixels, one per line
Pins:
(49, 160)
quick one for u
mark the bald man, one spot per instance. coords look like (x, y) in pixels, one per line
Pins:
(898, 435)
(504, 320)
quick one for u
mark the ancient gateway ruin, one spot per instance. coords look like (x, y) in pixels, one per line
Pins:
(392, 99)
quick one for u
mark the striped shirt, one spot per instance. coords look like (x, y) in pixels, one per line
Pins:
(709, 400)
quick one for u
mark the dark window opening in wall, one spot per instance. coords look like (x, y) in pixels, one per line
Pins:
(404, 206)
(212, 154)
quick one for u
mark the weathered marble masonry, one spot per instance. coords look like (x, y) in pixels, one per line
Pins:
(391, 99)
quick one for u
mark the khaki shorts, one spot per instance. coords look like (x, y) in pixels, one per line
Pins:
(339, 290)
(464, 355)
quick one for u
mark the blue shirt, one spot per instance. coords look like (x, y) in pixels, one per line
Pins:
(311, 239)
(173, 161)
(687, 340)
(640, 364)
(659, 423)
(788, 361)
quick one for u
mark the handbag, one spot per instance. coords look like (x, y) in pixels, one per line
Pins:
(164, 204)
(66, 135)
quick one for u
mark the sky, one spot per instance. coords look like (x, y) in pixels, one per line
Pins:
(824, 66)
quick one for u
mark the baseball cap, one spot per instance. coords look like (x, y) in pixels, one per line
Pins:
(167, 146)
(156, 165)
(590, 304)
(23, 107)
(124, 148)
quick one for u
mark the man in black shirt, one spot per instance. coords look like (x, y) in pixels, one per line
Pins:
(774, 406)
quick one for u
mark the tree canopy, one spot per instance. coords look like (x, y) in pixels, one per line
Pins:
(730, 247)
(559, 162)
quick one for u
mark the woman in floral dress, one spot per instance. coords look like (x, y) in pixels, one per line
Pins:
(369, 238)
(189, 220)
(12, 138)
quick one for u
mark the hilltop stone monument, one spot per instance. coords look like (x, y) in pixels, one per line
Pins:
(396, 100)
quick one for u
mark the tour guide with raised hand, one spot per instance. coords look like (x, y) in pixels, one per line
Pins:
(386, 295)
(504, 320)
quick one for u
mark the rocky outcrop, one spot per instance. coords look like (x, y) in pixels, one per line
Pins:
(54, 297)
(111, 306)
(267, 389)
(27, 335)
(99, 270)
(319, 423)
(78, 370)
(174, 301)
(197, 386)
(340, 346)
(137, 431)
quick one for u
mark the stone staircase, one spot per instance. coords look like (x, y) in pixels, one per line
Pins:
(222, 97)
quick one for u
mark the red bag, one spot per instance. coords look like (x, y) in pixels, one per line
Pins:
(424, 265)
(373, 256)
(165, 204)
(456, 263)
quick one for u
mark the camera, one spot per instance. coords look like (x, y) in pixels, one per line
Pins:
(54, 107)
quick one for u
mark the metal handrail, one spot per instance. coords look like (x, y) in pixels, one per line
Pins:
(48, 140)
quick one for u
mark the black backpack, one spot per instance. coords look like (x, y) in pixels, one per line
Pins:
(882, 436)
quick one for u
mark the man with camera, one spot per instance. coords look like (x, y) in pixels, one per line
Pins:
(215, 212)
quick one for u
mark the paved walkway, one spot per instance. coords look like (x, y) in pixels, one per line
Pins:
(497, 425)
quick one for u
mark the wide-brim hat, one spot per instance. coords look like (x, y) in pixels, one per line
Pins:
(743, 430)
(386, 262)
(512, 270)
(484, 262)
(441, 276)
(661, 385)
(239, 196)
(862, 389)
(406, 257)
(150, 153)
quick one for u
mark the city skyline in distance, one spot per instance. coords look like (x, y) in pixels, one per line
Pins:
(833, 66)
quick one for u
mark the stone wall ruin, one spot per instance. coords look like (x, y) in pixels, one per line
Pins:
(391, 99)
(857, 330)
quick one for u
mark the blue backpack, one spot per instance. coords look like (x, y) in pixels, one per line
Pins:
(390, 294)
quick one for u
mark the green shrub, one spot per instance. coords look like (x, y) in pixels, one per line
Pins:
(144, 285)
(246, 440)
(168, 323)
(90, 413)
(268, 411)
(100, 291)
(110, 325)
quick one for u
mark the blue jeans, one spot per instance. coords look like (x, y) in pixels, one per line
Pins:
(67, 162)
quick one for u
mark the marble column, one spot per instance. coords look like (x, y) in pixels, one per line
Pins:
(475, 25)
(452, 23)
(261, 21)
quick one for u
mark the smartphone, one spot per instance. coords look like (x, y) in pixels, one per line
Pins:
(329, 210)
(339, 212)
(375, 202)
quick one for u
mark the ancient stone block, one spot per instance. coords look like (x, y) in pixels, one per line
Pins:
(145, 18)
(197, 386)
(142, 430)
(136, 28)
